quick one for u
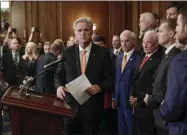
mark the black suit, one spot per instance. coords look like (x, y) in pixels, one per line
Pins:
(12, 72)
(142, 79)
(44, 82)
(98, 72)
(158, 88)
(139, 47)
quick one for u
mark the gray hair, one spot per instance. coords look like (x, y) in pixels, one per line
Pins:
(149, 17)
(83, 19)
(153, 34)
(129, 33)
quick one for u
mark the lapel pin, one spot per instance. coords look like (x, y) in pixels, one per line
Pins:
(130, 58)
(93, 54)
(150, 58)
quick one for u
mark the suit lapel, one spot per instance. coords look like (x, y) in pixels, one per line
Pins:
(137, 72)
(77, 55)
(91, 58)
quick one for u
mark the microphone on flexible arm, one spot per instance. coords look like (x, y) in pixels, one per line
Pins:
(54, 62)
(47, 67)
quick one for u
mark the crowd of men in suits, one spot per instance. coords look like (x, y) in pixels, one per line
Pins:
(148, 78)
(138, 87)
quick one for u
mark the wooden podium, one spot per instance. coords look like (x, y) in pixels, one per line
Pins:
(36, 113)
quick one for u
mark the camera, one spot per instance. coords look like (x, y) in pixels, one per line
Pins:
(14, 30)
(37, 29)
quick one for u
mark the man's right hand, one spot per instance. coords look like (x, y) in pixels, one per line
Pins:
(61, 92)
(133, 101)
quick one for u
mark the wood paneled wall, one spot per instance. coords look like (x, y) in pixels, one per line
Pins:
(55, 19)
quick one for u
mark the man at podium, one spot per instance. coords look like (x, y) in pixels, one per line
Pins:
(93, 61)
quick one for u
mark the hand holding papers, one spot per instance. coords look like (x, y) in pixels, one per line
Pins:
(78, 88)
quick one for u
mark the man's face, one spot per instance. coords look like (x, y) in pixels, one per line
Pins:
(83, 33)
(71, 41)
(116, 42)
(40, 45)
(94, 36)
(127, 43)
(181, 29)
(149, 44)
(164, 34)
(143, 24)
(14, 44)
(46, 48)
(171, 13)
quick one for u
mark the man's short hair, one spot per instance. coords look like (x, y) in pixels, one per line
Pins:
(148, 17)
(183, 12)
(131, 34)
(157, 17)
(171, 23)
(175, 4)
(152, 33)
(99, 38)
(83, 19)
(56, 46)
(60, 42)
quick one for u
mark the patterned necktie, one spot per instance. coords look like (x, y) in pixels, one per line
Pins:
(143, 62)
(16, 58)
(83, 61)
(124, 62)
(117, 53)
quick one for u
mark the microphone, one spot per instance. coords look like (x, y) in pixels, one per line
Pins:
(29, 80)
(54, 62)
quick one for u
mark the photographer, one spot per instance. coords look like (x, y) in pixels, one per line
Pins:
(35, 32)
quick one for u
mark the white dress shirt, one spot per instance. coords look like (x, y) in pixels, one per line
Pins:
(128, 54)
(13, 55)
(116, 51)
(88, 48)
(169, 49)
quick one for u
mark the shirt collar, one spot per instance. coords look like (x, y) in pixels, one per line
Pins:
(169, 49)
(185, 47)
(149, 55)
(88, 48)
(15, 53)
(129, 53)
(119, 49)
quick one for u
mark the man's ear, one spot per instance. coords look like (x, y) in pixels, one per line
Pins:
(150, 24)
(171, 34)
(185, 29)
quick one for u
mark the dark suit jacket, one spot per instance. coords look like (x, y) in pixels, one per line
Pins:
(98, 72)
(141, 81)
(173, 109)
(158, 88)
(45, 82)
(12, 73)
(29, 69)
(139, 47)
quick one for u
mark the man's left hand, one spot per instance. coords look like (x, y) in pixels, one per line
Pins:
(94, 89)
(146, 99)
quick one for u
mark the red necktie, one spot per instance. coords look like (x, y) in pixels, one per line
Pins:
(143, 62)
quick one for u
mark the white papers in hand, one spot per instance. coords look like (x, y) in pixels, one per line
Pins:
(78, 88)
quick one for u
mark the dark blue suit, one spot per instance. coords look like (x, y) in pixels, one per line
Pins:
(122, 92)
(174, 108)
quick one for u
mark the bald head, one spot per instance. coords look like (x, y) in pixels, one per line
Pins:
(150, 42)
(128, 40)
(147, 21)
